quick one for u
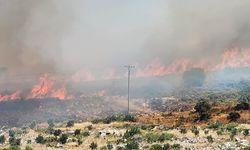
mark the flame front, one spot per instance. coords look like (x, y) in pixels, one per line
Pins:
(13, 96)
(52, 87)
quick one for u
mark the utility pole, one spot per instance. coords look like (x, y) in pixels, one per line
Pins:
(129, 67)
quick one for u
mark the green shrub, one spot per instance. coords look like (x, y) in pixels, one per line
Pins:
(210, 139)
(57, 132)
(166, 147)
(129, 118)
(219, 132)
(233, 133)
(230, 127)
(70, 123)
(2, 139)
(152, 138)
(109, 146)
(183, 130)
(86, 133)
(12, 148)
(40, 139)
(156, 147)
(215, 125)
(93, 146)
(79, 141)
(12, 133)
(147, 127)
(50, 139)
(165, 137)
(14, 141)
(90, 127)
(63, 138)
(114, 118)
(77, 131)
(246, 132)
(176, 147)
(195, 131)
(130, 133)
(132, 145)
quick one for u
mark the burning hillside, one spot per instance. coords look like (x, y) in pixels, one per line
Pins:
(51, 86)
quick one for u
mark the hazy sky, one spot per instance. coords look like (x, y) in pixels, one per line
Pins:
(63, 35)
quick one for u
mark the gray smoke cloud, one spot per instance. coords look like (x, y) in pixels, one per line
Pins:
(64, 36)
(29, 35)
(198, 29)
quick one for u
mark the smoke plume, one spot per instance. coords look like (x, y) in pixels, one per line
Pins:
(66, 36)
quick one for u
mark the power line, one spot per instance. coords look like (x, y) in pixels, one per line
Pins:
(129, 67)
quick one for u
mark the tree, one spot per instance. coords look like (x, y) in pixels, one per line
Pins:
(203, 108)
(63, 138)
(233, 116)
(2, 139)
(40, 139)
(93, 146)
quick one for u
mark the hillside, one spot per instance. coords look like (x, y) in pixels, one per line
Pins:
(153, 131)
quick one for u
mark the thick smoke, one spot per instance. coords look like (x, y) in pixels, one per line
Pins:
(201, 29)
(65, 36)
(31, 33)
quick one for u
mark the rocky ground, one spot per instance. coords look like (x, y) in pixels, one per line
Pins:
(153, 131)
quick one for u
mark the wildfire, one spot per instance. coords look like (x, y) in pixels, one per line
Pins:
(42, 89)
(60, 93)
(47, 86)
(231, 58)
(45, 90)
(13, 96)
(234, 58)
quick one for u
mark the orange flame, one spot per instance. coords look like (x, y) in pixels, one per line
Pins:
(234, 58)
(60, 93)
(13, 96)
(45, 90)
(42, 89)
